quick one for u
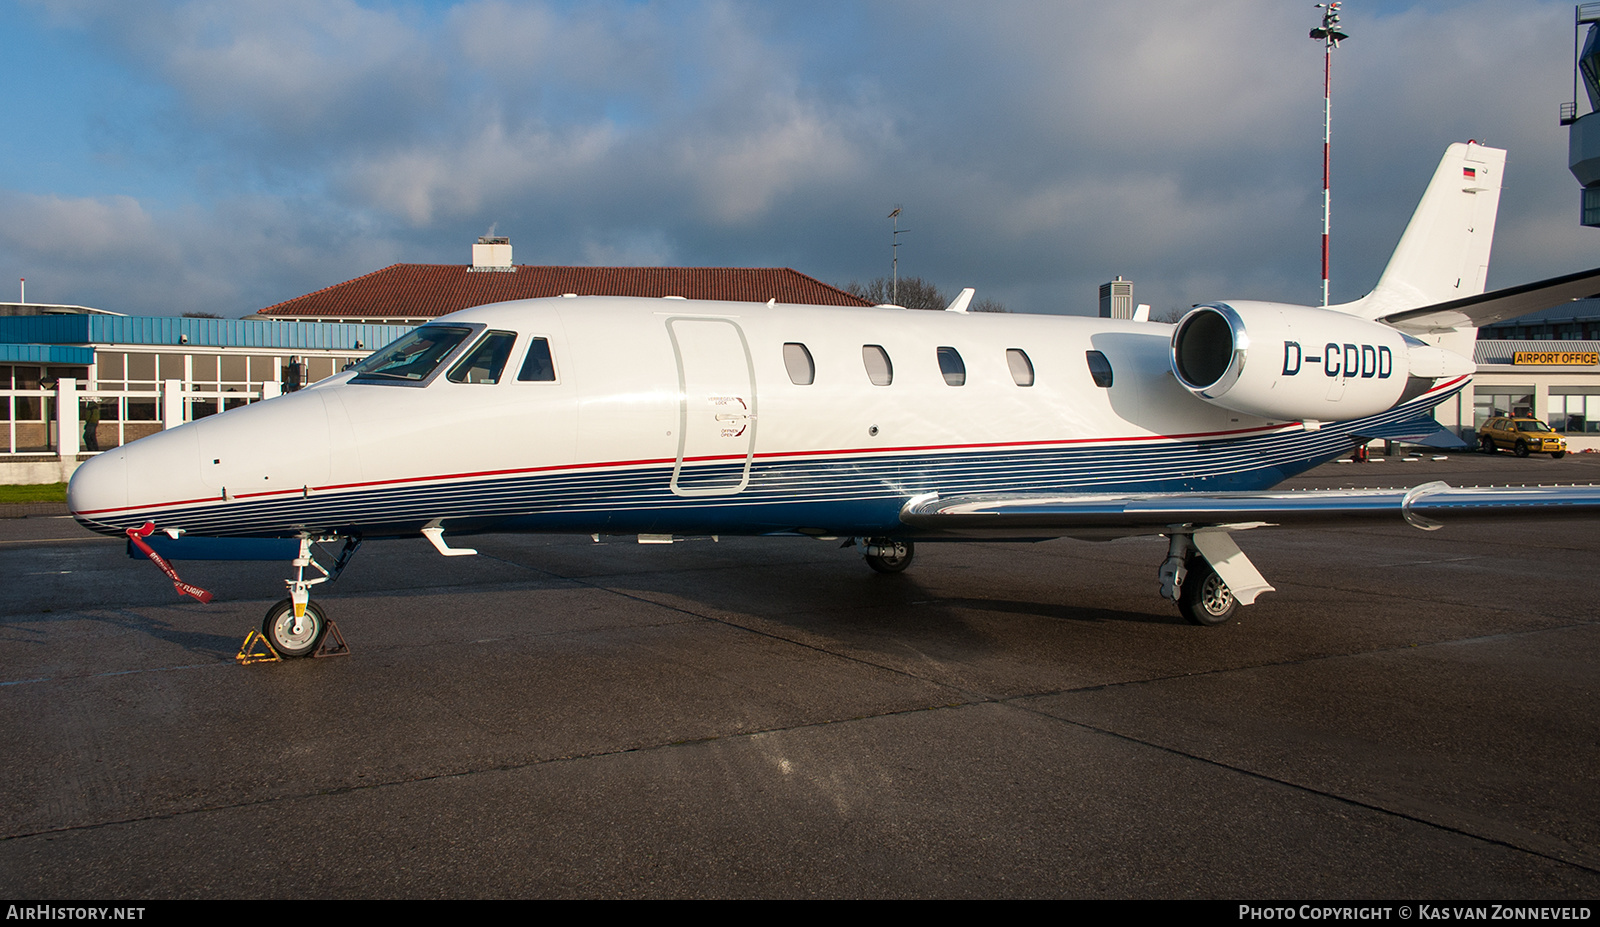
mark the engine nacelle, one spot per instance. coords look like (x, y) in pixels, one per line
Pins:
(1298, 363)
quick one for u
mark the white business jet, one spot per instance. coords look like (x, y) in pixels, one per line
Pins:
(668, 418)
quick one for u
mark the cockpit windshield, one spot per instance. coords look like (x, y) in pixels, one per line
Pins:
(414, 356)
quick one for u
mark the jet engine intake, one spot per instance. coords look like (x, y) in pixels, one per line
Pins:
(1300, 363)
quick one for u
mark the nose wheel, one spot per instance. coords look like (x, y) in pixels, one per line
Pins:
(295, 626)
(293, 636)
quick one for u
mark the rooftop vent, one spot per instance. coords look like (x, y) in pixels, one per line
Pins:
(492, 253)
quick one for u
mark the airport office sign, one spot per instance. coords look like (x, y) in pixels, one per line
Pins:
(1556, 358)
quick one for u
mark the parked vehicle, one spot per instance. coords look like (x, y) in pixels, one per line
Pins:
(1521, 436)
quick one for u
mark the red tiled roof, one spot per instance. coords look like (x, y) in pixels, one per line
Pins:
(428, 290)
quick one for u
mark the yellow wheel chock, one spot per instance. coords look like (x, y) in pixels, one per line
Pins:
(248, 656)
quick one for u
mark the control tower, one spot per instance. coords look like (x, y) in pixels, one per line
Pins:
(1583, 144)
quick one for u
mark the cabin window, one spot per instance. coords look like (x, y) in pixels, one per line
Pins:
(802, 370)
(485, 361)
(412, 357)
(953, 368)
(1021, 366)
(880, 370)
(538, 366)
(1100, 369)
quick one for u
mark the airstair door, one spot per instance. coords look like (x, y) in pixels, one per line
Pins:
(717, 407)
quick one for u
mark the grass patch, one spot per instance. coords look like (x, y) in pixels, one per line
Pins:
(44, 492)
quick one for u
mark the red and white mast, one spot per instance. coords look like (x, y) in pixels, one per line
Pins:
(1330, 36)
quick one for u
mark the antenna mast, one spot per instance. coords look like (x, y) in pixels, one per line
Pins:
(894, 293)
(1330, 35)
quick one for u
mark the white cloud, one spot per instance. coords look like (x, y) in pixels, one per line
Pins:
(644, 249)
(728, 132)
(291, 63)
(83, 230)
(566, 50)
(461, 177)
(740, 174)
(235, 257)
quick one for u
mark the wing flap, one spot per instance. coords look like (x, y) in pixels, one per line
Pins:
(1098, 516)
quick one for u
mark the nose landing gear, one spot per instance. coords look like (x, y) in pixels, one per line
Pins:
(295, 627)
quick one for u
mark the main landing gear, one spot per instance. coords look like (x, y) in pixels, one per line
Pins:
(887, 555)
(1205, 572)
(1205, 599)
(1208, 576)
(294, 627)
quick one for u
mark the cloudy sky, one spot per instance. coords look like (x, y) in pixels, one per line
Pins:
(224, 155)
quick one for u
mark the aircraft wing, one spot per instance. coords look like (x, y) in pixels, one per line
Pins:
(1096, 516)
(1497, 306)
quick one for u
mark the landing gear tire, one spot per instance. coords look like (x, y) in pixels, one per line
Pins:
(1205, 598)
(1522, 449)
(279, 628)
(894, 562)
(1486, 444)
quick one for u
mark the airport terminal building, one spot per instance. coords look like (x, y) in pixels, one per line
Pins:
(1545, 365)
(75, 382)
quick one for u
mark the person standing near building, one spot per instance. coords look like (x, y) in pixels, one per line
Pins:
(91, 425)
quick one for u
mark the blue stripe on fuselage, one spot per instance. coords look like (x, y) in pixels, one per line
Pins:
(860, 494)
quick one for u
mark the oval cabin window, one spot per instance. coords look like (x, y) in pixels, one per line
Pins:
(802, 371)
(1100, 369)
(953, 368)
(880, 370)
(1021, 366)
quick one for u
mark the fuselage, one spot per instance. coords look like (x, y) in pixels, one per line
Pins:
(666, 416)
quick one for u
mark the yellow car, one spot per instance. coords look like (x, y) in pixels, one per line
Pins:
(1523, 436)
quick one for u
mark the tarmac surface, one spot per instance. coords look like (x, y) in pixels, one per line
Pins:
(1412, 715)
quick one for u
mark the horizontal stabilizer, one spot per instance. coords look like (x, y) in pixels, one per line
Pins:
(1496, 306)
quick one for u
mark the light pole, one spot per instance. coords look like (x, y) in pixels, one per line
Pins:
(1330, 36)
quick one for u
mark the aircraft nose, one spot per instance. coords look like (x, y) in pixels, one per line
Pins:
(99, 489)
(177, 477)
(119, 487)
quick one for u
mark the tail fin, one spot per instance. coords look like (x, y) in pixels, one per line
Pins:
(1444, 252)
